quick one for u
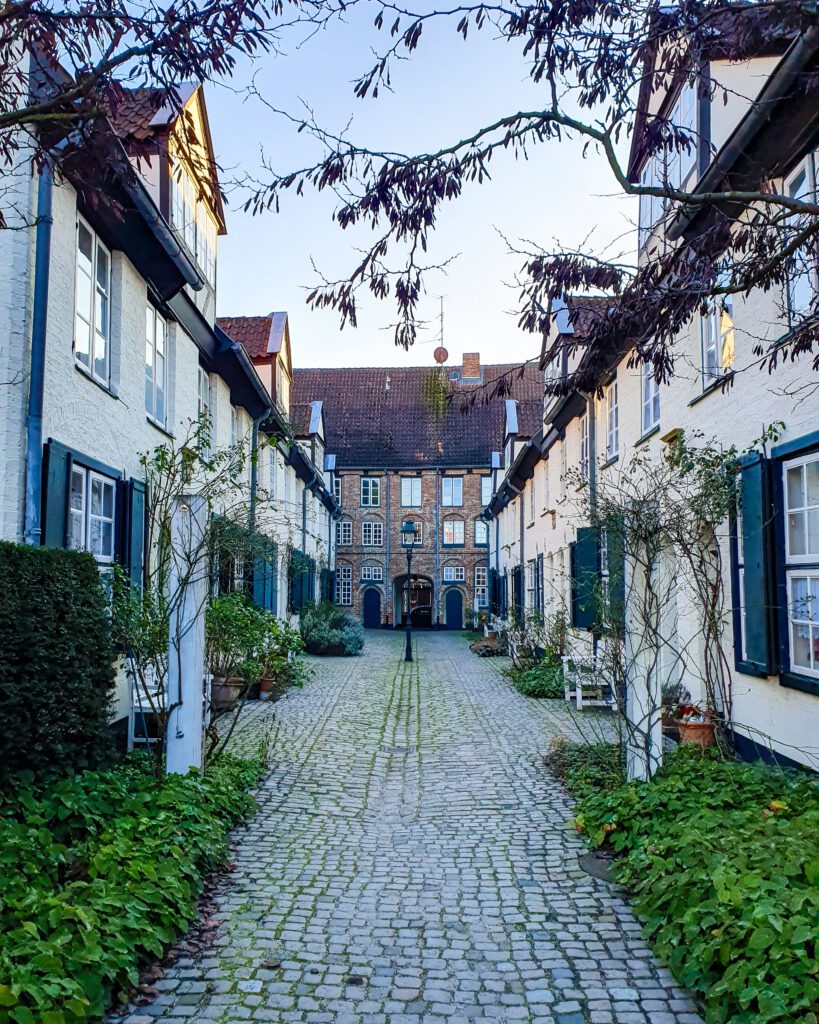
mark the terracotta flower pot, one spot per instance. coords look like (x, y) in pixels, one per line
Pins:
(225, 692)
(701, 734)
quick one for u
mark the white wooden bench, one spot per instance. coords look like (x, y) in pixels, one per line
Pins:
(587, 684)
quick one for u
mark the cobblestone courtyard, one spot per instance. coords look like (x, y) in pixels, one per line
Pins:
(410, 864)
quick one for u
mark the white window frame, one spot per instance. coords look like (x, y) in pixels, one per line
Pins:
(612, 422)
(486, 490)
(650, 399)
(370, 492)
(718, 338)
(372, 534)
(454, 574)
(811, 555)
(344, 532)
(482, 526)
(98, 326)
(344, 585)
(809, 620)
(584, 446)
(418, 538)
(811, 273)
(532, 498)
(564, 461)
(203, 397)
(372, 573)
(87, 517)
(337, 488)
(531, 584)
(452, 524)
(481, 586)
(452, 491)
(410, 489)
(156, 331)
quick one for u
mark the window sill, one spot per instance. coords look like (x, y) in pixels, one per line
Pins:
(453, 545)
(715, 385)
(158, 426)
(643, 438)
(610, 461)
(93, 380)
(803, 683)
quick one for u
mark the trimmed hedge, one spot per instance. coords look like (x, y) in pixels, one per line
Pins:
(330, 630)
(101, 872)
(56, 661)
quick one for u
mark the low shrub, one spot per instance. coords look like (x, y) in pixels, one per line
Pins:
(586, 767)
(101, 871)
(330, 630)
(56, 661)
(544, 680)
(723, 860)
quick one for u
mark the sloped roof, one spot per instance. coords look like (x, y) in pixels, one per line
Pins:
(300, 414)
(584, 310)
(260, 335)
(387, 417)
(136, 113)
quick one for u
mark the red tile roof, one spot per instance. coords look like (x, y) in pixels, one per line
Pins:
(260, 335)
(585, 309)
(387, 417)
(133, 113)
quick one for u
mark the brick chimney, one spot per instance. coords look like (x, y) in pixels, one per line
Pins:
(471, 367)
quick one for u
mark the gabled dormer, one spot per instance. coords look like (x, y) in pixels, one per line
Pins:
(266, 340)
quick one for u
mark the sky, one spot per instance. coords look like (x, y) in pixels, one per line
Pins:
(448, 89)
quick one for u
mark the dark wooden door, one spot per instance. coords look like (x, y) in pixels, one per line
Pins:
(454, 609)
(372, 608)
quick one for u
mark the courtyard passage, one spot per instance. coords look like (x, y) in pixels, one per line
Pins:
(411, 863)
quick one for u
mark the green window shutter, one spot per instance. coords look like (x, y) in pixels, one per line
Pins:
(273, 579)
(57, 477)
(617, 578)
(539, 597)
(757, 550)
(259, 578)
(135, 551)
(584, 578)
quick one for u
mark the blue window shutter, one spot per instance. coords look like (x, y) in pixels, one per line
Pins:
(57, 475)
(273, 578)
(584, 560)
(135, 549)
(757, 549)
(540, 587)
(259, 578)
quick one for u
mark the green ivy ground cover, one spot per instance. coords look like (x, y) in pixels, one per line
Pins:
(101, 871)
(543, 680)
(723, 862)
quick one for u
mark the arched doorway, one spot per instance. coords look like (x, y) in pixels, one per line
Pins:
(454, 609)
(418, 601)
(371, 608)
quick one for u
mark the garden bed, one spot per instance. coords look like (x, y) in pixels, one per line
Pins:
(101, 872)
(544, 680)
(722, 859)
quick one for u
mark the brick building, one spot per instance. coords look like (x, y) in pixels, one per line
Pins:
(409, 444)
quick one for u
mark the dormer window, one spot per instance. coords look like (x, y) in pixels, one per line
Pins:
(193, 221)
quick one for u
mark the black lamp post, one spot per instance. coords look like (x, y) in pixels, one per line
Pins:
(408, 539)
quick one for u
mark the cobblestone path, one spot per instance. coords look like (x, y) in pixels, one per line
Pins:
(410, 864)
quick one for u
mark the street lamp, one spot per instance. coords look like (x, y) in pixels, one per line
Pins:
(408, 534)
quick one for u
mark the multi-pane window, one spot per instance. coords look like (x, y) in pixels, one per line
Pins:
(801, 489)
(416, 539)
(203, 405)
(272, 469)
(651, 398)
(481, 532)
(337, 488)
(92, 307)
(802, 281)
(372, 534)
(454, 574)
(411, 492)
(481, 586)
(372, 573)
(452, 491)
(531, 584)
(680, 162)
(344, 584)
(532, 498)
(344, 532)
(612, 421)
(717, 329)
(563, 466)
(584, 446)
(92, 513)
(545, 488)
(234, 426)
(486, 490)
(651, 207)
(453, 531)
(193, 221)
(370, 491)
(156, 373)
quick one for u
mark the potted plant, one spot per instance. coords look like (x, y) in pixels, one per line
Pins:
(696, 725)
(231, 636)
(280, 645)
(674, 696)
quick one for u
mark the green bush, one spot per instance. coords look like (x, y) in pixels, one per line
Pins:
(56, 661)
(330, 630)
(723, 859)
(544, 680)
(100, 871)
(586, 767)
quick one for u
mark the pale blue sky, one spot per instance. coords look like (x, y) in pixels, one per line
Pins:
(448, 90)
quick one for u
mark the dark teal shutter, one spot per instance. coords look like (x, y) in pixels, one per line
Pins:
(757, 548)
(135, 549)
(273, 580)
(57, 477)
(259, 578)
(541, 605)
(617, 579)
(584, 578)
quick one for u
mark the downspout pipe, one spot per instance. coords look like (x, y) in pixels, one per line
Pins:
(32, 531)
